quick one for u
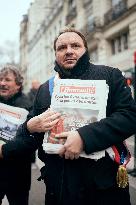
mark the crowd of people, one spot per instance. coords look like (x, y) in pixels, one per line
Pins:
(69, 178)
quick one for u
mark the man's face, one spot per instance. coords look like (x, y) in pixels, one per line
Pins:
(8, 86)
(35, 84)
(69, 48)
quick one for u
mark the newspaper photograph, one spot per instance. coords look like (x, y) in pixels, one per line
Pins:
(80, 103)
(10, 119)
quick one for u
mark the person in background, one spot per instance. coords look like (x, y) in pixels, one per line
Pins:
(33, 90)
(15, 175)
(69, 178)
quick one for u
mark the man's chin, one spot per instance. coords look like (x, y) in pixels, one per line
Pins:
(69, 66)
(5, 95)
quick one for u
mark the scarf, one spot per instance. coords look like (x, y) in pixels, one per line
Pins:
(80, 68)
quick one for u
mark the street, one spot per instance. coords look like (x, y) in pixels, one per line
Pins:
(37, 189)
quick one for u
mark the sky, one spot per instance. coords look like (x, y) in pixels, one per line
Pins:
(11, 12)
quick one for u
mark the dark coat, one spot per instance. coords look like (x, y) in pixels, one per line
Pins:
(71, 178)
(18, 100)
(16, 174)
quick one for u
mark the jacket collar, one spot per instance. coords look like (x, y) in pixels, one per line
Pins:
(11, 99)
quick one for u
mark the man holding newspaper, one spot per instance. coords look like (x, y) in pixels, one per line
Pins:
(15, 175)
(79, 122)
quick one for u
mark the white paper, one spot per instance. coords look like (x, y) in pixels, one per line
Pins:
(80, 102)
(10, 119)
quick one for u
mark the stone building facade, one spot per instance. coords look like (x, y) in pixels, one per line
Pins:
(109, 26)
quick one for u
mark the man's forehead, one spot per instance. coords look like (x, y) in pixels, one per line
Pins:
(69, 37)
(6, 73)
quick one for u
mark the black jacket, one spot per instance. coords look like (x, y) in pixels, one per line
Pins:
(68, 176)
(18, 100)
(16, 174)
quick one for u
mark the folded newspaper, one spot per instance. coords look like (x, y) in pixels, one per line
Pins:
(10, 119)
(80, 103)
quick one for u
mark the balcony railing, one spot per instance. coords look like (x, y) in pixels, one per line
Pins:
(115, 12)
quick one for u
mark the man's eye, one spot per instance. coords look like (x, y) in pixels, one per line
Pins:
(8, 79)
(61, 48)
(75, 46)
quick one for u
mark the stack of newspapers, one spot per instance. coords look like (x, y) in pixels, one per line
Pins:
(80, 102)
(10, 119)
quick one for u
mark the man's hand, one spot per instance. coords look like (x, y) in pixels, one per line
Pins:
(1, 143)
(73, 145)
(1, 156)
(43, 122)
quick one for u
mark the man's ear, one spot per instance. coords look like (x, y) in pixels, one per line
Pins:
(18, 87)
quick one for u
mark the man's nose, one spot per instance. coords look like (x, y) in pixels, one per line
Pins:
(69, 49)
(3, 82)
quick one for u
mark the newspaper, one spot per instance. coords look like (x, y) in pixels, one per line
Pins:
(80, 103)
(10, 119)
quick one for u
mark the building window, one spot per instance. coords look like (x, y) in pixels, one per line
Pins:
(60, 24)
(115, 2)
(91, 23)
(119, 43)
(125, 40)
(71, 4)
(72, 12)
(89, 10)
